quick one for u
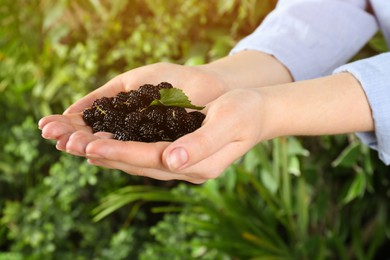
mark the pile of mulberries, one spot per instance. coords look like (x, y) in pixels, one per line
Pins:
(130, 117)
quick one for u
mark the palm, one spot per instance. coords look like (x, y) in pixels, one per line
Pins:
(71, 132)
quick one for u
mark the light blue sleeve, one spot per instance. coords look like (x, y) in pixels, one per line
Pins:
(312, 37)
(374, 76)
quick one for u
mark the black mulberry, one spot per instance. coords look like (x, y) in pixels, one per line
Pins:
(129, 116)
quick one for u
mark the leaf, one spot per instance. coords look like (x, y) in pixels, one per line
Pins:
(378, 43)
(195, 60)
(357, 188)
(270, 181)
(294, 147)
(174, 97)
(225, 6)
(348, 157)
(294, 166)
(302, 207)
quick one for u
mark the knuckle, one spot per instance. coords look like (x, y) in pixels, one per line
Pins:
(205, 141)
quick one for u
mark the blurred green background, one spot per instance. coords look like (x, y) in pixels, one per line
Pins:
(289, 198)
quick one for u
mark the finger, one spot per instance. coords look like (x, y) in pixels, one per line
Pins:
(104, 135)
(79, 140)
(147, 155)
(54, 130)
(82, 137)
(217, 163)
(146, 172)
(75, 118)
(62, 141)
(194, 147)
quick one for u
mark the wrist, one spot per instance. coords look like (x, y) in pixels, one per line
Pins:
(248, 69)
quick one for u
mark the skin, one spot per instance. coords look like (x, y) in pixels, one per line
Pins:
(249, 98)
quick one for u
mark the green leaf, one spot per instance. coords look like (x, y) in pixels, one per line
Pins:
(357, 188)
(270, 181)
(174, 97)
(378, 43)
(349, 156)
(294, 166)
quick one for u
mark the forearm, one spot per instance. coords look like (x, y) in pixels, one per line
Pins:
(330, 105)
(249, 69)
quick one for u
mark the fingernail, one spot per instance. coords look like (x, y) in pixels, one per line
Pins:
(40, 124)
(177, 158)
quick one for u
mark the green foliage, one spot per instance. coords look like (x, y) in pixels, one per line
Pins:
(51, 54)
(299, 213)
(306, 198)
(178, 239)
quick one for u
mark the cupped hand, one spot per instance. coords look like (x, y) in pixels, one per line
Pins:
(233, 125)
(201, 86)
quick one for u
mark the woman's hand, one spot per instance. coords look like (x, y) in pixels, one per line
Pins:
(234, 123)
(229, 129)
(246, 69)
(232, 126)
(199, 84)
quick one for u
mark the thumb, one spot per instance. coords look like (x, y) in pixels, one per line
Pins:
(199, 145)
